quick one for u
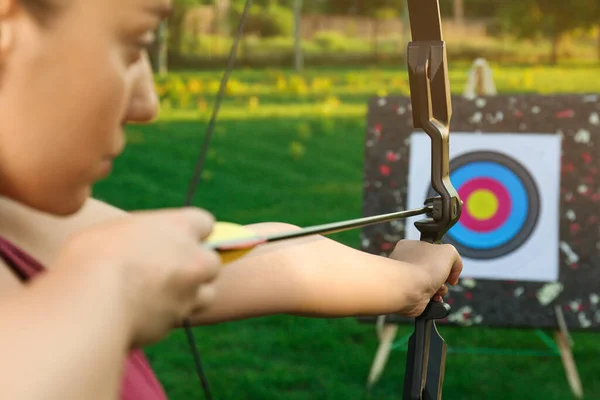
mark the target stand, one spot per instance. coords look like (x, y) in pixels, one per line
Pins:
(529, 232)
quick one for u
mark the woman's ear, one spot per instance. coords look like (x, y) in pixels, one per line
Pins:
(7, 8)
(6, 38)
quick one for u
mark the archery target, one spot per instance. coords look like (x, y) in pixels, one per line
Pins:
(501, 204)
(509, 185)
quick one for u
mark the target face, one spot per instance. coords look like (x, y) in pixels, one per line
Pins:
(510, 187)
(501, 205)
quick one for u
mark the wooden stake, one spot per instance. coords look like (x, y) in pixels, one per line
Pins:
(563, 339)
(387, 334)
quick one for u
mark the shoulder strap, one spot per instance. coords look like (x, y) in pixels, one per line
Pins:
(22, 264)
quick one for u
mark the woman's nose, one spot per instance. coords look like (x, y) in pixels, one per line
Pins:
(143, 105)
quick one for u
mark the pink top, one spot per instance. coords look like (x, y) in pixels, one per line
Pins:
(139, 381)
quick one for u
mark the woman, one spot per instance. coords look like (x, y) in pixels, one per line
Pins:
(72, 73)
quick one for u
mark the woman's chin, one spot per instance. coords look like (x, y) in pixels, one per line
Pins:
(105, 168)
(51, 198)
(75, 203)
(63, 205)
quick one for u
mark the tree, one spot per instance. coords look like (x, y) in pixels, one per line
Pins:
(550, 19)
(170, 34)
(298, 56)
(458, 11)
(175, 22)
(177, 17)
(363, 7)
(592, 18)
(158, 51)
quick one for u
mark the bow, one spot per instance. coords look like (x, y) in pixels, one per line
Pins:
(431, 104)
(430, 95)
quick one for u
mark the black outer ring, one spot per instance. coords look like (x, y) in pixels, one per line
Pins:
(534, 205)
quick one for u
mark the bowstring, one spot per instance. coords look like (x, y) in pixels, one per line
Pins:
(198, 173)
(211, 125)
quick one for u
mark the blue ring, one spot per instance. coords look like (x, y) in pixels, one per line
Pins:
(515, 221)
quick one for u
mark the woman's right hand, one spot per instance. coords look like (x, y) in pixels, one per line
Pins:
(164, 272)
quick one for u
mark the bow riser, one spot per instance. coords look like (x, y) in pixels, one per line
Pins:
(432, 111)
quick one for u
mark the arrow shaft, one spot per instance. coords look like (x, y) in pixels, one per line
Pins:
(336, 227)
(324, 229)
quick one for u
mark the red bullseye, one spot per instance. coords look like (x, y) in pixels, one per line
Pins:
(502, 211)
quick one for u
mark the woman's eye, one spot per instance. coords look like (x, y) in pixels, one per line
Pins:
(147, 39)
(141, 45)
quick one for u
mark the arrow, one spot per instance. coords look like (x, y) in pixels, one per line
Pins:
(233, 241)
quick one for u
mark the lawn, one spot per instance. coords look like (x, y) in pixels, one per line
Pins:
(290, 148)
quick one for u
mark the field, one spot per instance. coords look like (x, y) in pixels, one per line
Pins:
(289, 148)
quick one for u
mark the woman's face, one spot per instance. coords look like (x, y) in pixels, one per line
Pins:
(66, 90)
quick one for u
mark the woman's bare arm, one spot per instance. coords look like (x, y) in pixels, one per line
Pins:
(64, 337)
(312, 276)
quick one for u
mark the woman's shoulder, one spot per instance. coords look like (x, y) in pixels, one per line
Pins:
(30, 238)
(43, 235)
(9, 282)
(33, 237)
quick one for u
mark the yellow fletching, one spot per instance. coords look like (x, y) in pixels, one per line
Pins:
(225, 232)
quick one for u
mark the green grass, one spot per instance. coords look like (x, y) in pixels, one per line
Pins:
(289, 161)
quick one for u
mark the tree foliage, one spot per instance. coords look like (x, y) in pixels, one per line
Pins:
(548, 19)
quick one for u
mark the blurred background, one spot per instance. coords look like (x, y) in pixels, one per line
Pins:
(289, 146)
(360, 32)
